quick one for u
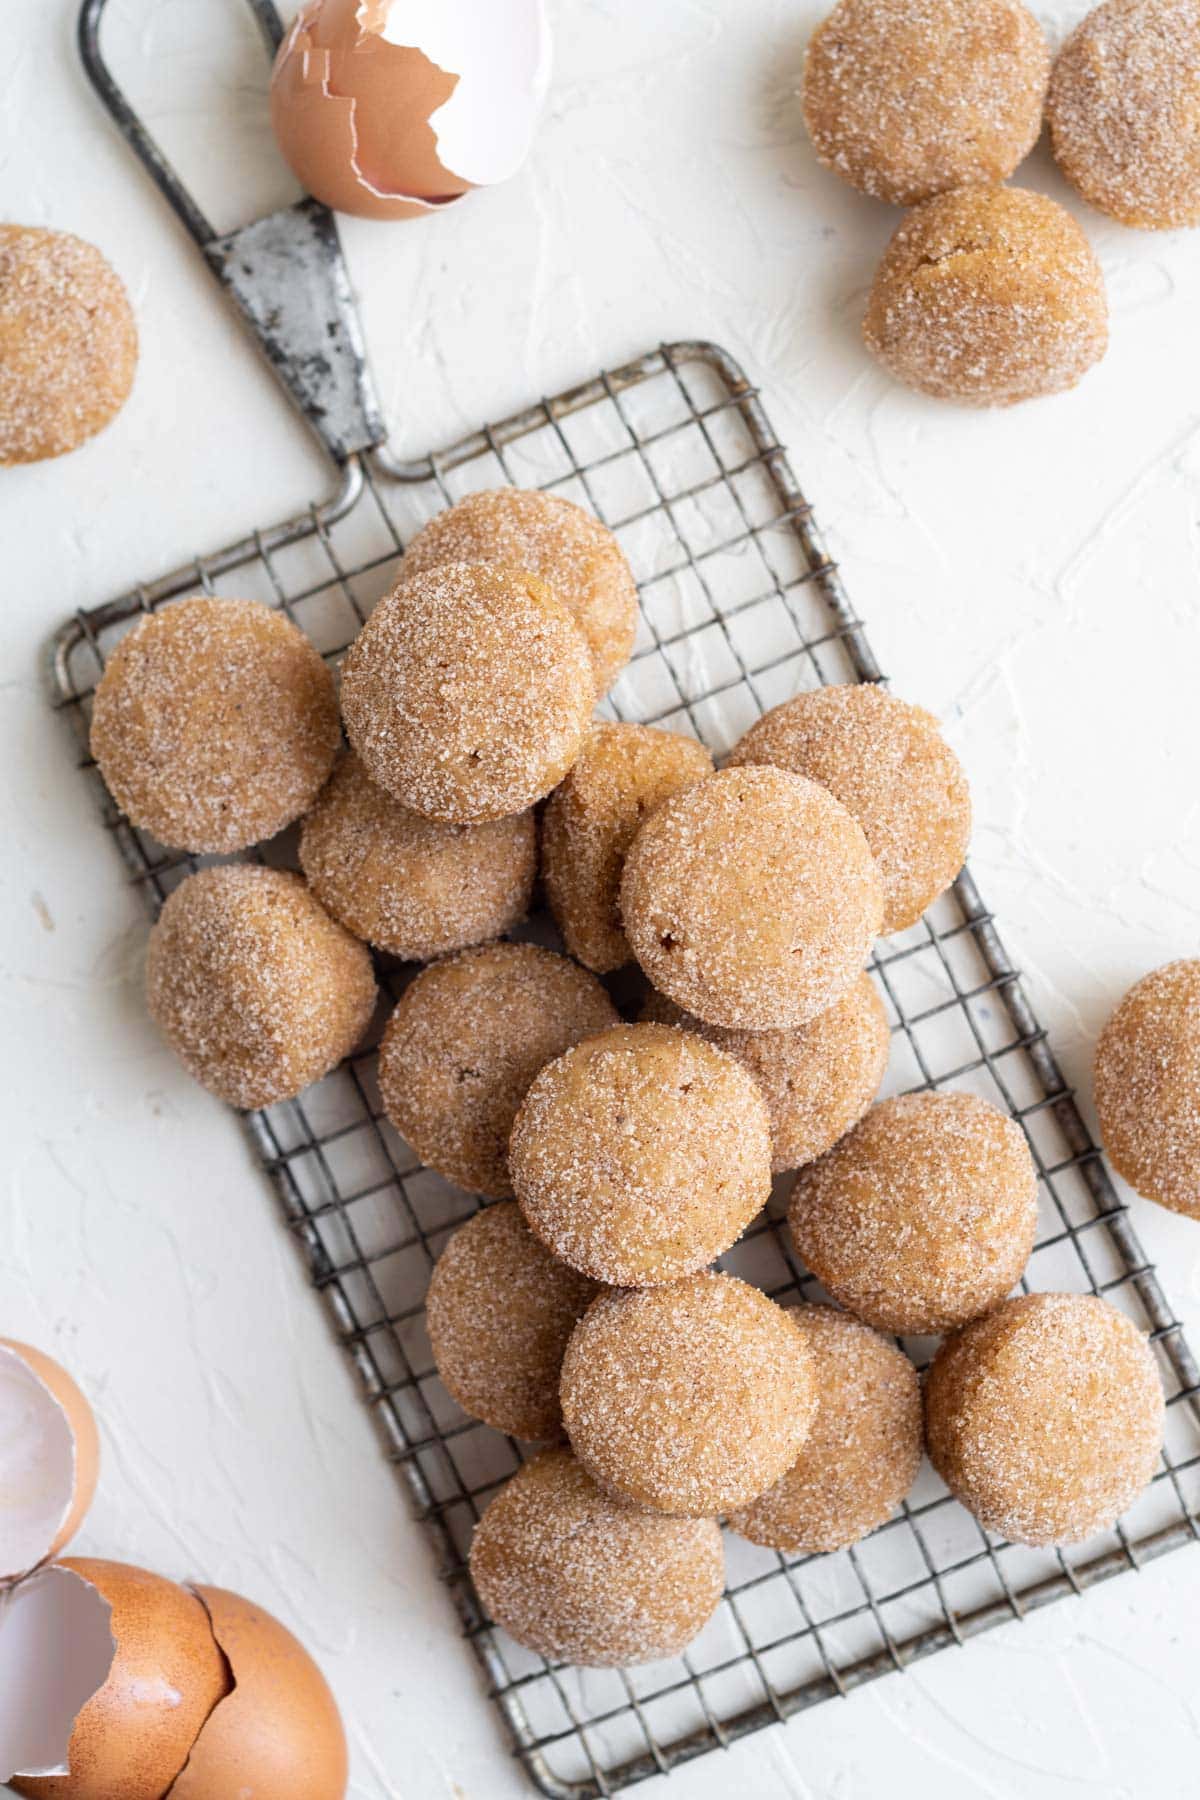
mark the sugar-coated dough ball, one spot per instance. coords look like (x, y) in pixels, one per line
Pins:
(691, 1398)
(499, 1312)
(623, 773)
(641, 1155)
(468, 692)
(988, 296)
(888, 763)
(465, 1041)
(414, 887)
(923, 1216)
(1148, 1086)
(752, 899)
(817, 1079)
(1124, 111)
(907, 98)
(580, 1577)
(1046, 1417)
(215, 724)
(254, 986)
(557, 541)
(68, 343)
(864, 1449)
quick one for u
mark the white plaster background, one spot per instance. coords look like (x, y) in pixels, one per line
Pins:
(1031, 575)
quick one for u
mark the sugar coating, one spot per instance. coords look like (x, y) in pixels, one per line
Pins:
(254, 986)
(1148, 1086)
(68, 343)
(1046, 1417)
(557, 541)
(923, 1216)
(752, 899)
(907, 98)
(468, 692)
(691, 1398)
(888, 763)
(623, 773)
(817, 1079)
(465, 1041)
(988, 296)
(641, 1154)
(414, 887)
(215, 724)
(499, 1312)
(1124, 111)
(864, 1449)
(580, 1577)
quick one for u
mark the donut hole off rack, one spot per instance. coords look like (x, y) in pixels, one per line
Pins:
(740, 608)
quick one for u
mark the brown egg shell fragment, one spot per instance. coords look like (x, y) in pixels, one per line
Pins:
(1147, 1086)
(864, 1449)
(580, 1577)
(817, 1079)
(499, 1311)
(49, 1458)
(690, 1399)
(134, 1736)
(56, 1653)
(278, 1734)
(641, 1155)
(329, 75)
(1045, 1418)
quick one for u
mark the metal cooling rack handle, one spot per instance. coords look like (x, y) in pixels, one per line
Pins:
(285, 271)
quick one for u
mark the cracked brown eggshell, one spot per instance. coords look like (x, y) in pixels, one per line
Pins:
(49, 1458)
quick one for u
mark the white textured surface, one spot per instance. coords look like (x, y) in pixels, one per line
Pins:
(1031, 575)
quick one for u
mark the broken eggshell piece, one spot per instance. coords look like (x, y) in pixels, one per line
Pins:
(56, 1650)
(49, 1458)
(165, 1676)
(391, 109)
(278, 1734)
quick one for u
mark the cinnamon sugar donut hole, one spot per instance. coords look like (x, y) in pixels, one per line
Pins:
(499, 1312)
(923, 1216)
(907, 98)
(889, 765)
(68, 343)
(465, 1041)
(817, 1079)
(752, 899)
(559, 542)
(468, 692)
(1148, 1086)
(691, 1398)
(215, 724)
(577, 1576)
(253, 985)
(988, 296)
(1124, 111)
(1046, 1417)
(641, 1155)
(623, 773)
(414, 887)
(864, 1449)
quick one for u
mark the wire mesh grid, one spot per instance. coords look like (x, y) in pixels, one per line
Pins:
(740, 607)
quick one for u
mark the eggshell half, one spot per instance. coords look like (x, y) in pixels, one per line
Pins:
(56, 1650)
(133, 1736)
(390, 109)
(278, 1735)
(49, 1458)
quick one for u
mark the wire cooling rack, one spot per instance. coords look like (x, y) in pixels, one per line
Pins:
(740, 607)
